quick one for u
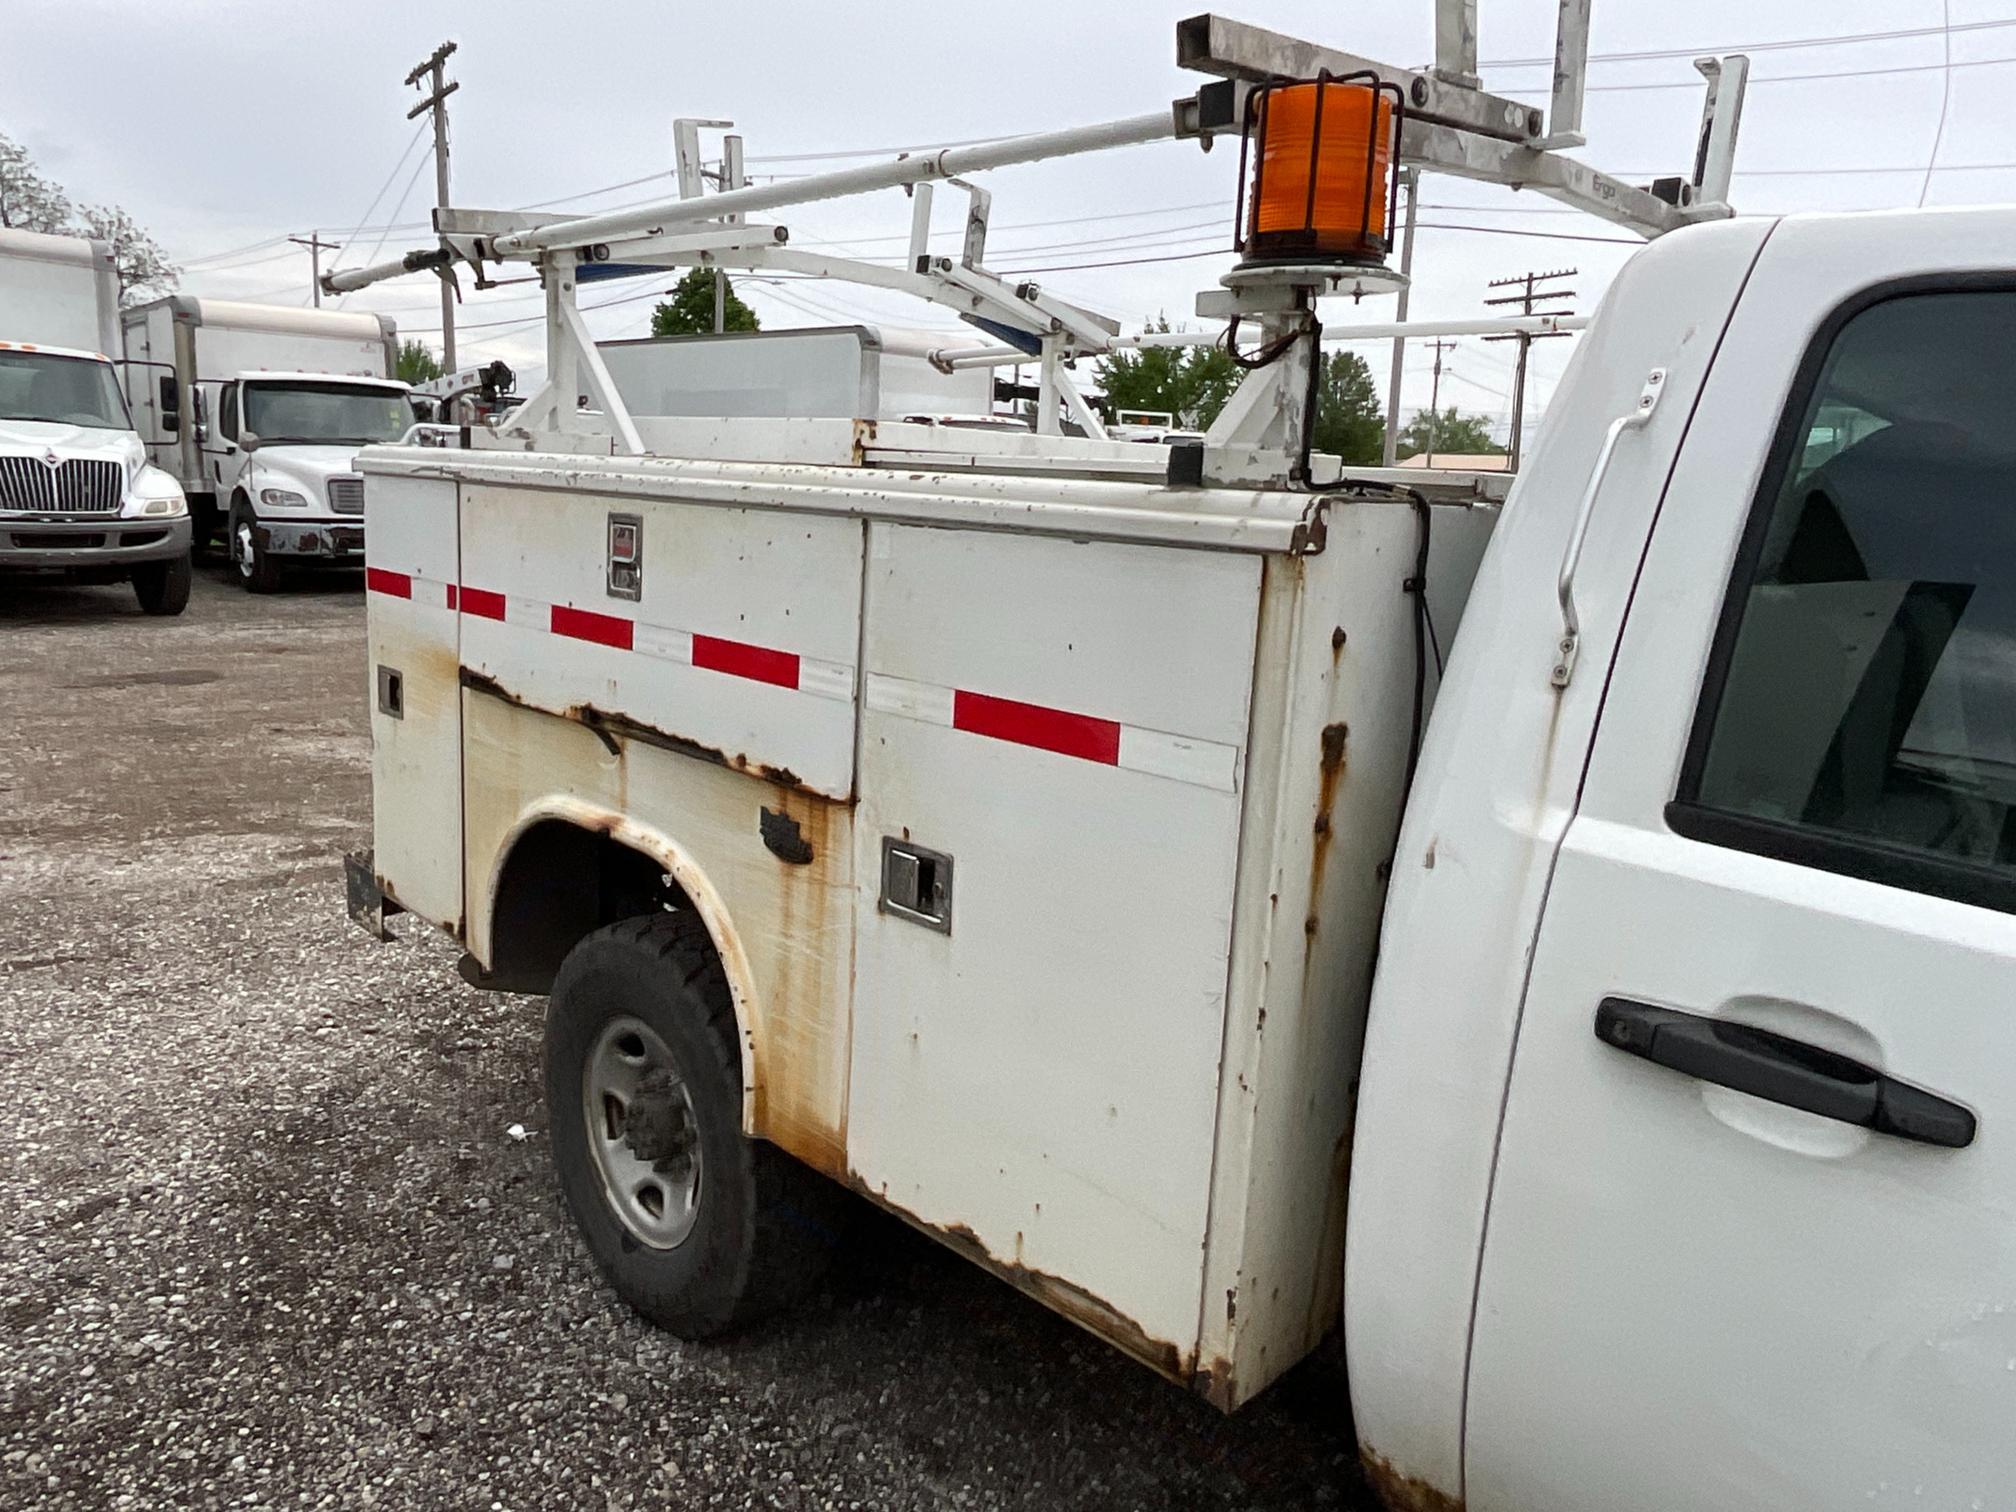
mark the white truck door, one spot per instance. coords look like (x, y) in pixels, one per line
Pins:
(1752, 1237)
(227, 458)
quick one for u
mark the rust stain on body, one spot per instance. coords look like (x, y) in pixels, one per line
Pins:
(1398, 1492)
(1335, 737)
(791, 919)
(608, 726)
(1094, 1314)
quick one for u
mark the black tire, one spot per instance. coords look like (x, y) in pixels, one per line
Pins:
(163, 587)
(764, 1224)
(257, 571)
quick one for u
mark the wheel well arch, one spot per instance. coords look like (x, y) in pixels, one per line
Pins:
(569, 867)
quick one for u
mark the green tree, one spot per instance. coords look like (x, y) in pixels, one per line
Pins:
(143, 268)
(28, 201)
(1191, 383)
(1350, 418)
(690, 310)
(1452, 434)
(417, 362)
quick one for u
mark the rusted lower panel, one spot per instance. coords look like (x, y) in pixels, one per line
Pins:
(1399, 1492)
(699, 812)
(1089, 1312)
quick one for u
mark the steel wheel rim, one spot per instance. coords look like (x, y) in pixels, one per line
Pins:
(642, 1135)
(245, 549)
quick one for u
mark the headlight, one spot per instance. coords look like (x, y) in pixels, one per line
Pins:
(153, 492)
(282, 498)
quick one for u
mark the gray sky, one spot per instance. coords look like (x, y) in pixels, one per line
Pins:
(225, 124)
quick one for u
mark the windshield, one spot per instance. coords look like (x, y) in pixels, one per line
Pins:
(325, 413)
(61, 390)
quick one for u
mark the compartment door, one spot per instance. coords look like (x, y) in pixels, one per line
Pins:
(1053, 748)
(412, 682)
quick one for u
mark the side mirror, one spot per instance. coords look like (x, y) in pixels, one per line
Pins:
(171, 411)
(247, 440)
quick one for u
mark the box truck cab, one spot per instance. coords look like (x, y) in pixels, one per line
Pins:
(287, 443)
(258, 409)
(76, 491)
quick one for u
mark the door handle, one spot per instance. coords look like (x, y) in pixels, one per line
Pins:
(1782, 1070)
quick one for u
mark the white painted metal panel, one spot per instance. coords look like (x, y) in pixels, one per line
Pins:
(57, 291)
(1042, 1080)
(743, 643)
(1499, 772)
(416, 757)
(224, 352)
(1692, 1298)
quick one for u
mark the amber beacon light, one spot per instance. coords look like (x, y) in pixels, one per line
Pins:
(1316, 178)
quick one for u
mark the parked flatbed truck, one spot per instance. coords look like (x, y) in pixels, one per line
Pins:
(1013, 834)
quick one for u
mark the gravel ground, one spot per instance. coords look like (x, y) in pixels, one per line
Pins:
(268, 1238)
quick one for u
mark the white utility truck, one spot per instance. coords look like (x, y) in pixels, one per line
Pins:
(1008, 828)
(77, 495)
(259, 410)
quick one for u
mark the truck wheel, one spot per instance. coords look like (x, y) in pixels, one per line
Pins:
(257, 571)
(699, 1228)
(163, 587)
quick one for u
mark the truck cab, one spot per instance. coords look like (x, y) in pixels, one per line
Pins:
(285, 445)
(77, 494)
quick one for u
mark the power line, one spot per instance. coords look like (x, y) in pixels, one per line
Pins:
(1801, 78)
(271, 241)
(363, 220)
(1945, 99)
(1787, 44)
(404, 194)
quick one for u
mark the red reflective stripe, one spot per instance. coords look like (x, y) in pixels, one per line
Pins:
(758, 662)
(482, 603)
(394, 584)
(1078, 735)
(451, 595)
(586, 624)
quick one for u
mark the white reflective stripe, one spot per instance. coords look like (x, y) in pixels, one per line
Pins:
(1202, 762)
(912, 700)
(431, 591)
(826, 679)
(666, 645)
(822, 679)
(1154, 753)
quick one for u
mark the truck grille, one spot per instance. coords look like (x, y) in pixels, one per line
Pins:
(76, 486)
(346, 495)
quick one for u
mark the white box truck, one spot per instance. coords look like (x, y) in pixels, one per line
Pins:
(77, 494)
(1014, 836)
(258, 410)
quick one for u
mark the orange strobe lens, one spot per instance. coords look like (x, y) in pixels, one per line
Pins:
(1346, 216)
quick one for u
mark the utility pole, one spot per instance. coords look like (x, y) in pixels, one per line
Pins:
(1435, 400)
(437, 101)
(316, 247)
(1532, 300)
(1410, 179)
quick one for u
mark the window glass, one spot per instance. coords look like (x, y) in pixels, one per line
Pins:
(1870, 689)
(40, 386)
(325, 413)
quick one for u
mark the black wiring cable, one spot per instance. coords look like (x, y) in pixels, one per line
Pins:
(1415, 585)
(1261, 357)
